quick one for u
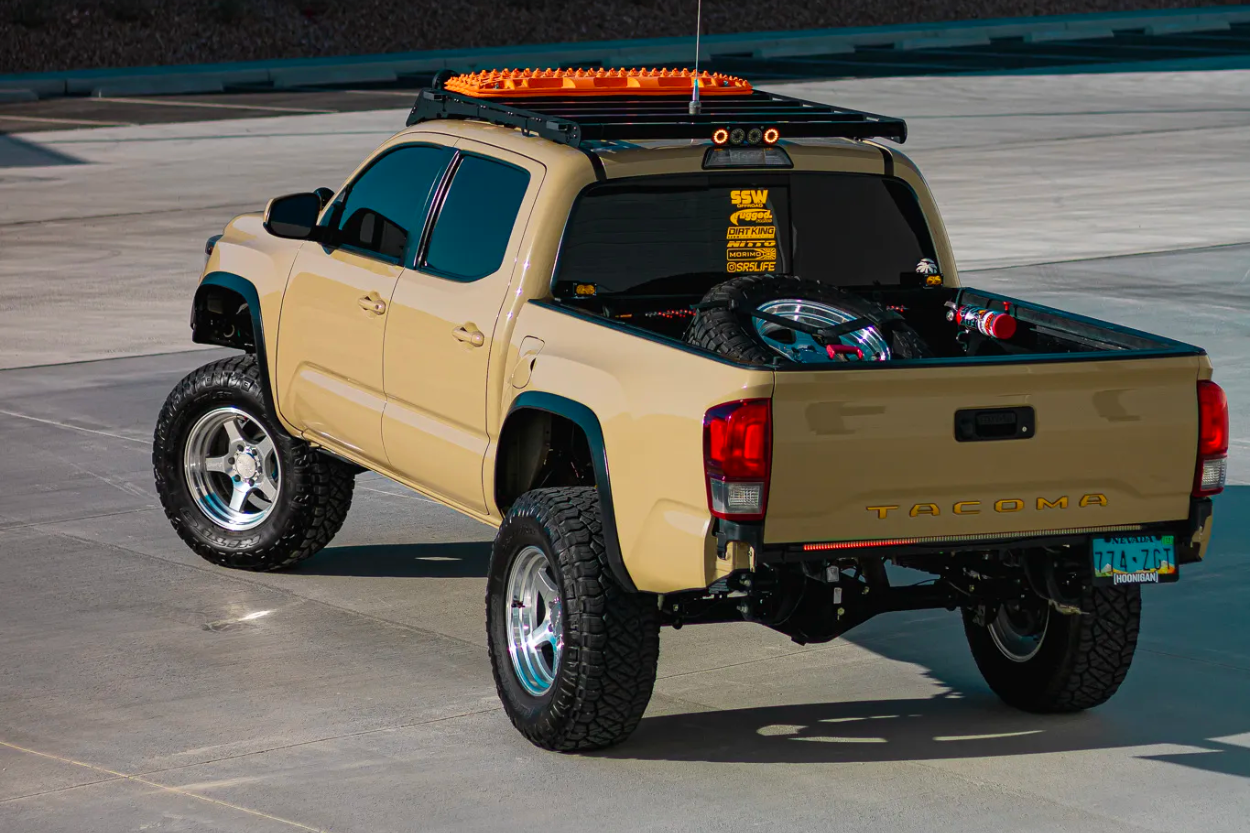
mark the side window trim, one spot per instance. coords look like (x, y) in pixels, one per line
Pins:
(431, 217)
(436, 208)
(333, 217)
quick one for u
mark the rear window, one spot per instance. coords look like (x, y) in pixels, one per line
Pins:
(668, 235)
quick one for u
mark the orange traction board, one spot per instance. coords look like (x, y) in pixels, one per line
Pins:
(522, 83)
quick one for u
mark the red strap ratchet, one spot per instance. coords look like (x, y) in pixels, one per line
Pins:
(845, 349)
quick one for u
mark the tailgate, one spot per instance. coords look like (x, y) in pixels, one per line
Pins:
(869, 454)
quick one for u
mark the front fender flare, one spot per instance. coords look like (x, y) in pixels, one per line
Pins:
(245, 288)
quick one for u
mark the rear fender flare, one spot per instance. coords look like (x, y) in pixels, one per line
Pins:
(585, 419)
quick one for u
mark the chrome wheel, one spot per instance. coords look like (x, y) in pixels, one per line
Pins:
(535, 621)
(801, 347)
(232, 469)
(1017, 631)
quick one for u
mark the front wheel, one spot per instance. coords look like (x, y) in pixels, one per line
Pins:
(1040, 660)
(574, 655)
(237, 488)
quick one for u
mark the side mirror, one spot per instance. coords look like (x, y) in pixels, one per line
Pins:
(293, 216)
(325, 195)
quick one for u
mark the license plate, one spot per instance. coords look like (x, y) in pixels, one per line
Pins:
(1134, 559)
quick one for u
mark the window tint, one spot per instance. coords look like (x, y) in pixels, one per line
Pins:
(471, 233)
(680, 236)
(685, 234)
(856, 230)
(386, 207)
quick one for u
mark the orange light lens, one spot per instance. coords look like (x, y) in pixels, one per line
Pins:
(771, 135)
(720, 137)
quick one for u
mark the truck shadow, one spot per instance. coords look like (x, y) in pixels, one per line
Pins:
(452, 559)
(1188, 688)
(20, 153)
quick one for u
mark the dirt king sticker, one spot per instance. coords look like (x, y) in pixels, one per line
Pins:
(751, 236)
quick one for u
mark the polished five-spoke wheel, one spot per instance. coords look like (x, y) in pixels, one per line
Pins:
(535, 621)
(237, 489)
(573, 653)
(232, 469)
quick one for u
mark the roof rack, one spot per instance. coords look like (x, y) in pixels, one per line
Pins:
(574, 119)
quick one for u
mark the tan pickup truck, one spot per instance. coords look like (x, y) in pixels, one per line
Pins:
(699, 359)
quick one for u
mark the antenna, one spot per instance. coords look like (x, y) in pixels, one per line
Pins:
(695, 106)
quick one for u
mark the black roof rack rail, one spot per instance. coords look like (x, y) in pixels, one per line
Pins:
(572, 120)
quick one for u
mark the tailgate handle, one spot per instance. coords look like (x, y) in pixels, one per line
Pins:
(981, 424)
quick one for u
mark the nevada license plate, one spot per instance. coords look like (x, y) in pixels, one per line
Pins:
(1134, 559)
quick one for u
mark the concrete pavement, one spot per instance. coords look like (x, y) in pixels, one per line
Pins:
(145, 689)
(141, 688)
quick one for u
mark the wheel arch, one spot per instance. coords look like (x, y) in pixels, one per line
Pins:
(213, 321)
(533, 403)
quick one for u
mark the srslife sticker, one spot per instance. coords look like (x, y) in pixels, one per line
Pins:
(751, 237)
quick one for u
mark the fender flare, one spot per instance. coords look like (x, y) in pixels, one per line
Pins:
(585, 419)
(241, 285)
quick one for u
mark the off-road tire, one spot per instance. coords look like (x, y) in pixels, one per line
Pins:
(316, 490)
(611, 637)
(731, 332)
(1081, 662)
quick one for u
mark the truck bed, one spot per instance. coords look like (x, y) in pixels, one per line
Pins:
(1073, 424)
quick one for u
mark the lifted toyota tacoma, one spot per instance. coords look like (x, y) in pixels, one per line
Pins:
(699, 358)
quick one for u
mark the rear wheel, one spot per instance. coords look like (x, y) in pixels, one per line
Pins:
(574, 655)
(1040, 660)
(237, 488)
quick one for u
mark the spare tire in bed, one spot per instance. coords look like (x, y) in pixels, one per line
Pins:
(724, 323)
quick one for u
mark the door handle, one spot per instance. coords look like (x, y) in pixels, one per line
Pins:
(470, 335)
(372, 303)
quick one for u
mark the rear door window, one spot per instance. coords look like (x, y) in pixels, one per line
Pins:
(471, 233)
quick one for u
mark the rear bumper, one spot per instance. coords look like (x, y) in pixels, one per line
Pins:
(1192, 536)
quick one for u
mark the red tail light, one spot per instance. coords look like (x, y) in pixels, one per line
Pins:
(1212, 468)
(737, 454)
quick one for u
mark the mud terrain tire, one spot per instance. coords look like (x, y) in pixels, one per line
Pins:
(731, 332)
(1082, 659)
(312, 500)
(611, 638)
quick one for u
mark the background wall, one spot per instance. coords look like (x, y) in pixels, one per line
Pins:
(48, 35)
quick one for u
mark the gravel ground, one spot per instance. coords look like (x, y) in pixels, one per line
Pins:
(49, 35)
